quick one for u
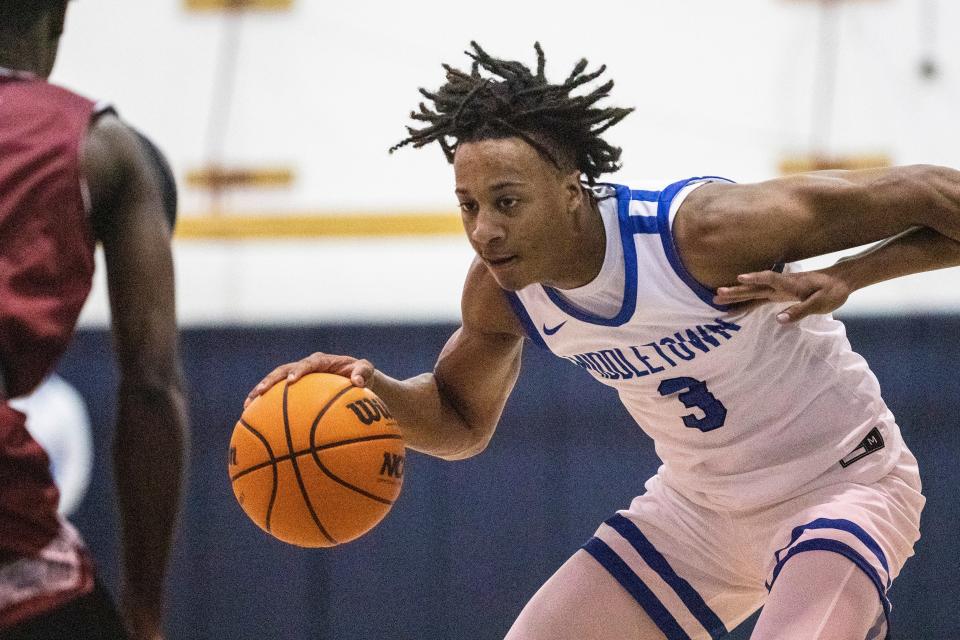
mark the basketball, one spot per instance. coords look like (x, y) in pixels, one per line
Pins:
(318, 462)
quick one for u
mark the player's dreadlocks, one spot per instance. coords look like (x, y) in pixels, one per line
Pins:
(470, 107)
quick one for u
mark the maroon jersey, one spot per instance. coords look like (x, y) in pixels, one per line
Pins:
(46, 242)
(46, 268)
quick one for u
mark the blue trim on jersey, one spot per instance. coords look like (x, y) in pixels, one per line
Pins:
(636, 588)
(655, 560)
(645, 196)
(825, 544)
(843, 525)
(666, 236)
(630, 275)
(645, 224)
(525, 320)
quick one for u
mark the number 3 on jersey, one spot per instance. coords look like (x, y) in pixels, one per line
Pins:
(693, 394)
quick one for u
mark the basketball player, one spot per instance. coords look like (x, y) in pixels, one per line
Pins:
(785, 482)
(72, 174)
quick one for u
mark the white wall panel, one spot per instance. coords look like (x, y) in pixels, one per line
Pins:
(721, 88)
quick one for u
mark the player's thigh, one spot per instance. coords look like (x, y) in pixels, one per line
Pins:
(582, 601)
(821, 595)
(872, 526)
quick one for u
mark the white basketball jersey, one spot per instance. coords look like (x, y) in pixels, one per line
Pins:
(743, 411)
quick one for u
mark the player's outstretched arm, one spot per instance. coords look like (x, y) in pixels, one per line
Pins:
(150, 439)
(725, 230)
(452, 412)
(824, 290)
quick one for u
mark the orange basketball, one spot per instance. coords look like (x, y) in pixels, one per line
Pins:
(318, 462)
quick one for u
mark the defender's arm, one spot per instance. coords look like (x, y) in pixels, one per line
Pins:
(150, 438)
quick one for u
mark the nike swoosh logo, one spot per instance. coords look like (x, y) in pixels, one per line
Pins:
(550, 331)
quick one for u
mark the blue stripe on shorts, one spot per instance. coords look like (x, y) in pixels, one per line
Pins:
(826, 544)
(636, 588)
(842, 525)
(655, 560)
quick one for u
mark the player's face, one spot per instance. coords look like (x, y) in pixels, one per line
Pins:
(515, 207)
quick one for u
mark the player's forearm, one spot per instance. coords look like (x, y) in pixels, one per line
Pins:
(913, 251)
(915, 195)
(150, 447)
(429, 420)
(942, 205)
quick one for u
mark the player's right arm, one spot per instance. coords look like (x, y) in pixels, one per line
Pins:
(453, 411)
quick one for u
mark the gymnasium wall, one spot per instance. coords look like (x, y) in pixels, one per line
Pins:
(325, 88)
(722, 88)
(469, 542)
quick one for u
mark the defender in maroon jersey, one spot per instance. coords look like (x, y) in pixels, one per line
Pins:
(71, 175)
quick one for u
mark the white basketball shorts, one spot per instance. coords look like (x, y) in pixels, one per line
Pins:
(699, 573)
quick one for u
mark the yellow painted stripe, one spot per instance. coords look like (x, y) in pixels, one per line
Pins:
(317, 225)
(222, 177)
(220, 5)
(801, 163)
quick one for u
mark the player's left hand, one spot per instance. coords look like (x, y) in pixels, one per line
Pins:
(814, 291)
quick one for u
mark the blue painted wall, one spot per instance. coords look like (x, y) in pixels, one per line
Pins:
(469, 542)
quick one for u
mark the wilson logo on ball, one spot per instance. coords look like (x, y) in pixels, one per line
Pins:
(369, 410)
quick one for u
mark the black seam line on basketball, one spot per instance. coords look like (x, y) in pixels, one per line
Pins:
(273, 463)
(362, 492)
(324, 409)
(316, 458)
(332, 445)
(296, 469)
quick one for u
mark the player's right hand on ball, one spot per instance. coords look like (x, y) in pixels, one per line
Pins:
(360, 372)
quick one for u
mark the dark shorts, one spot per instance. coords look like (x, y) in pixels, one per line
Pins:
(28, 496)
(92, 616)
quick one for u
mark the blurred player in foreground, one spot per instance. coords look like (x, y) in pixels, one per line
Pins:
(72, 174)
(785, 482)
